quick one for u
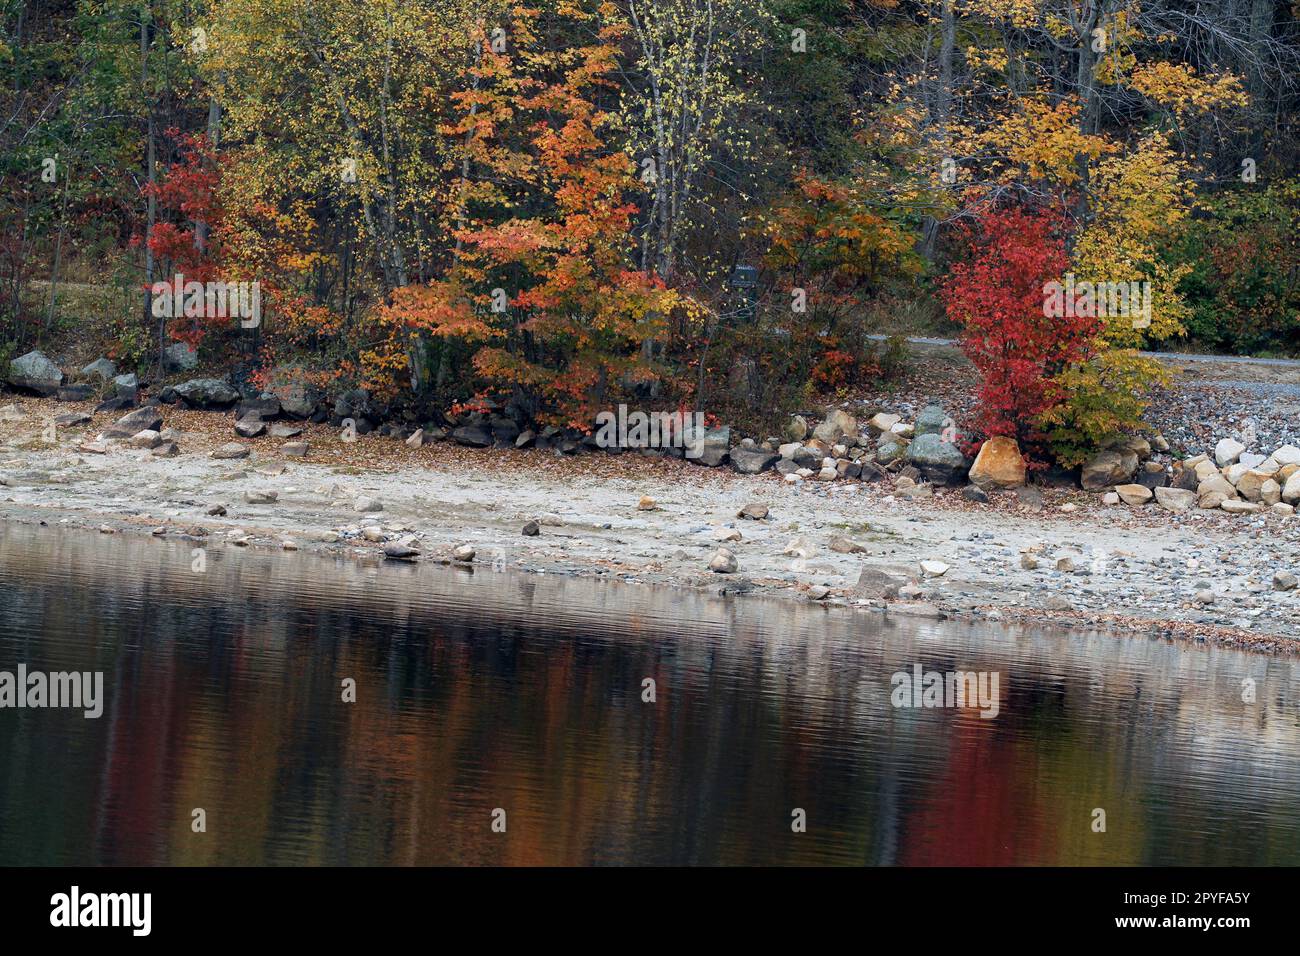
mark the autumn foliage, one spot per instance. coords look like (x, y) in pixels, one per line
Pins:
(186, 240)
(997, 296)
(556, 314)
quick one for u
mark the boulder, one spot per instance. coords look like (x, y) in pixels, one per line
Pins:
(127, 386)
(752, 461)
(1206, 469)
(709, 448)
(102, 369)
(1291, 490)
(723, 562)
(142, 419)
(1251, 485)
(882, 422)
(75, 393)
(1216, 483)
(231, 450)
(358, 405)
(1287, 455)
(931, 421)
(1211, 500)
(796, 429)
(1175, 499)
(940, 461)
(264, 406)
(1238, 507)
(34, 372)
(1270, 492)
(1133, 494)
(1131, 444)
(475, 436)
(207, 393)
(298, 399)
(841, 545)
(877, 585)
(806, 456)
(1227, 451)
(999, 464)
(890, 451)
(1106, 469)
(250, 427)
(836, 425)
(180, 357)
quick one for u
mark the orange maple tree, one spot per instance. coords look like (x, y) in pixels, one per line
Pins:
(541, 282)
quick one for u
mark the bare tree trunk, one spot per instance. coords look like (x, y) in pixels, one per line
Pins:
(942, 111)
(58, 250)
(151, 175)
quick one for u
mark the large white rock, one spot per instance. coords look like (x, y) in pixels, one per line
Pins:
(1287, 455)
(1227, 451)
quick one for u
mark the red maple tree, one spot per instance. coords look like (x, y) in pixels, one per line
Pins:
(998, 296)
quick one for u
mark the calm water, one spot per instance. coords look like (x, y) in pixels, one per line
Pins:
(478, 691)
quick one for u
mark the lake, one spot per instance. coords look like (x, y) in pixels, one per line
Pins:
(500, 701)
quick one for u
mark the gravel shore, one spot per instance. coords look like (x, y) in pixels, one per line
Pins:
(1020, 556)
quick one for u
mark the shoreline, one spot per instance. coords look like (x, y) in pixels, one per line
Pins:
(1090, 567)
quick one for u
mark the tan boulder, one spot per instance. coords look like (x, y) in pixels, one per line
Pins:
(1211, 500)
(999, 464)
(1216, 483)
(1270, 493)
(1205, 469)
(1251, 485)
(1291, 489)
(1133, 494)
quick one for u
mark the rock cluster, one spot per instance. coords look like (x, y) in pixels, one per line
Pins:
(926, 451)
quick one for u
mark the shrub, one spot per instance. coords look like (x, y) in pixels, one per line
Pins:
(997, 296)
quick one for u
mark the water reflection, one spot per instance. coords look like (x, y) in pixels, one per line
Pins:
(479, 690)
